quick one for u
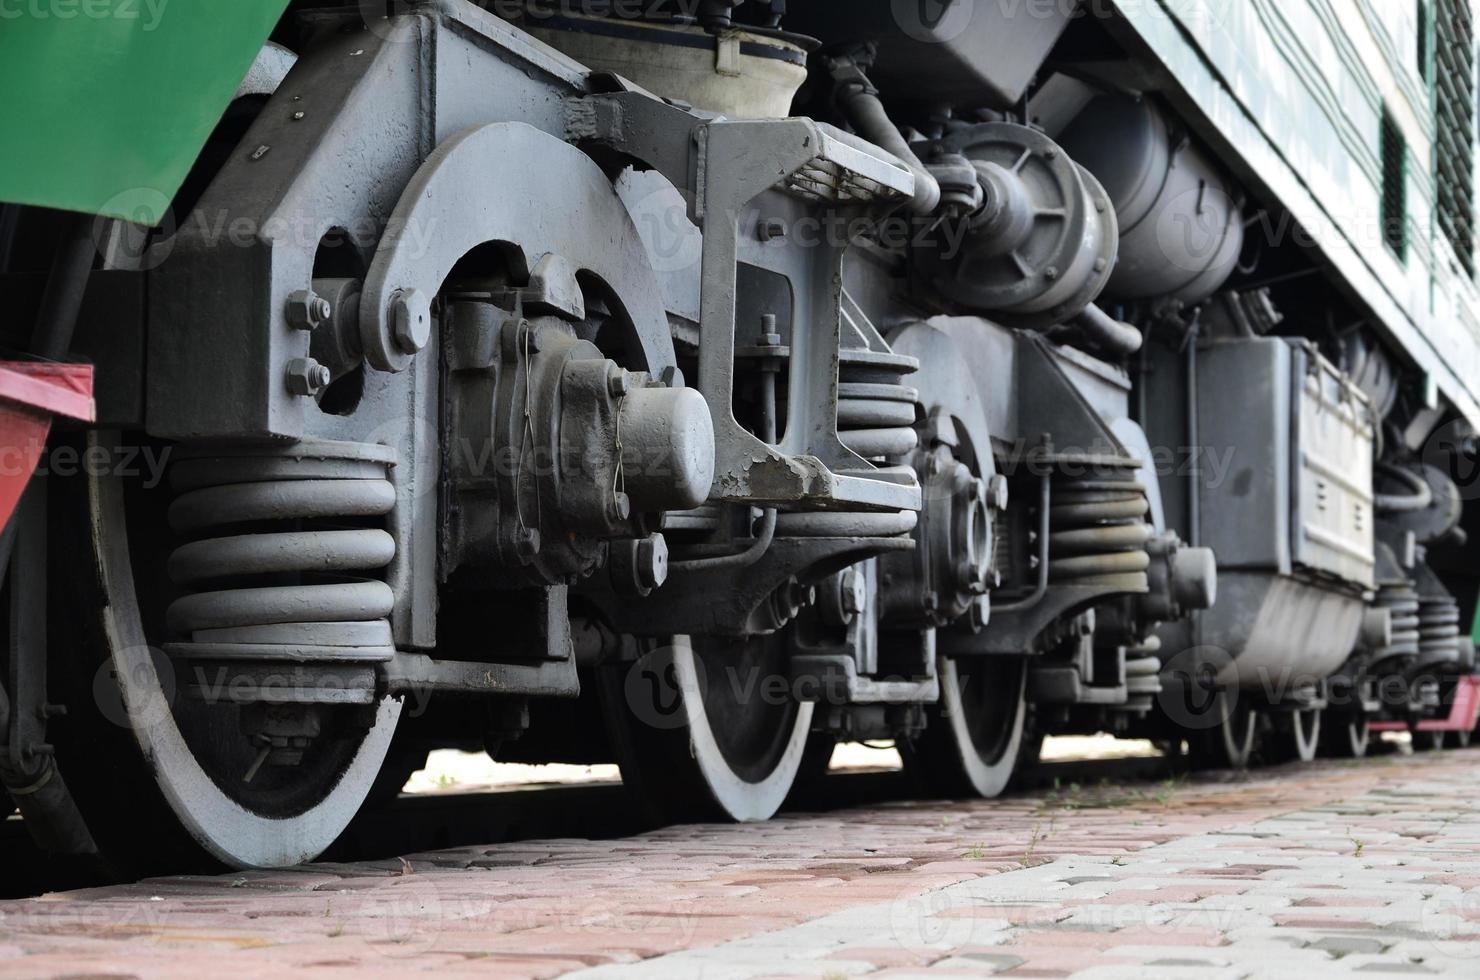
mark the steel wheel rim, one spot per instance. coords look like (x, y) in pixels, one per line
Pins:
(1237, 735)
(1305, 733)
(1358, 734)
(748, 786)
(985, 715)
(222, 826)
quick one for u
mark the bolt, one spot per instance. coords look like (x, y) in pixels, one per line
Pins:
(411, 319)
(769, 228)
(1051, 273)
(527, 543)
(997, 492)
(671, 377)
(306, 309)
(855, 591)
(306, 376)
(618, 382)
(978, 613)
(769, 337)
(650, 566)
(298, 115)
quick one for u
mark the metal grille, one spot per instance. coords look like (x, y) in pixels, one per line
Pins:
(1394, 186)
(1454, 107)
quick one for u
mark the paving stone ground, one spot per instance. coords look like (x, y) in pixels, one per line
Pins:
(1369, 869)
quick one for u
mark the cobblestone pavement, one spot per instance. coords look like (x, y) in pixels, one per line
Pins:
(1368, 868)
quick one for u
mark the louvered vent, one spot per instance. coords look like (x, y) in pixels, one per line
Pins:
(1394, 186)
(1454, 107)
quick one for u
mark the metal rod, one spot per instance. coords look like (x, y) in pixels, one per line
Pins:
(1041, 588)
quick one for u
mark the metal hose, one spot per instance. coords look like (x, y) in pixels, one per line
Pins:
(740, 559)
(860, 103)
(1421, 498)
(1106, 332)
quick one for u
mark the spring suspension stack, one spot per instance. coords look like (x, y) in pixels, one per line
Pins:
(1098, 531)
(1438, 631)
(285, 613)
(876, 410)
(1400, 599)
(876, 420)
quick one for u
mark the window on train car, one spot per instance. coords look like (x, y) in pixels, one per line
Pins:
(1394, 186)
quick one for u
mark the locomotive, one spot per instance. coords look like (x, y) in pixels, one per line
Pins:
(696, 384)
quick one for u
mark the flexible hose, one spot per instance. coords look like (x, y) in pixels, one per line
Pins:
(1421, 498)
(1106, 332)
(860, 103)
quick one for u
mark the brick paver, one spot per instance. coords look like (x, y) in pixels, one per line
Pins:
(1366, 868)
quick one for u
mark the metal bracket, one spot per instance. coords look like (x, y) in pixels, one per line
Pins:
(721, 166)
(508, 183)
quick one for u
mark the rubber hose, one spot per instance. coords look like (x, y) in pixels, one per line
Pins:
(1421, 498)
(1106, 332)
(867, 115)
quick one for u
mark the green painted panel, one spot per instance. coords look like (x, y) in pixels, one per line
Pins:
(108, 102)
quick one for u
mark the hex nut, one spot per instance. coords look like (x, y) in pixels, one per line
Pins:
(306, 309)
(997, 492)
(854, 587)
(306, 376)
(411, 320)
(618, 382)
(650, 567)
(768, 228)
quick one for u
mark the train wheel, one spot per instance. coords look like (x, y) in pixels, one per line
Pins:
(1457, 740)
(704, 731)
(1344, 736)
(1230, 743)
(973, 738)
(175, 794)
(1296, 736)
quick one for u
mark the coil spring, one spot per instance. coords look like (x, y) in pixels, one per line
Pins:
(1098, 531)
(278, 546)
(876, 414)
(876, 420)
(1438, 630)
(1400, 599)
(1143, 668)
